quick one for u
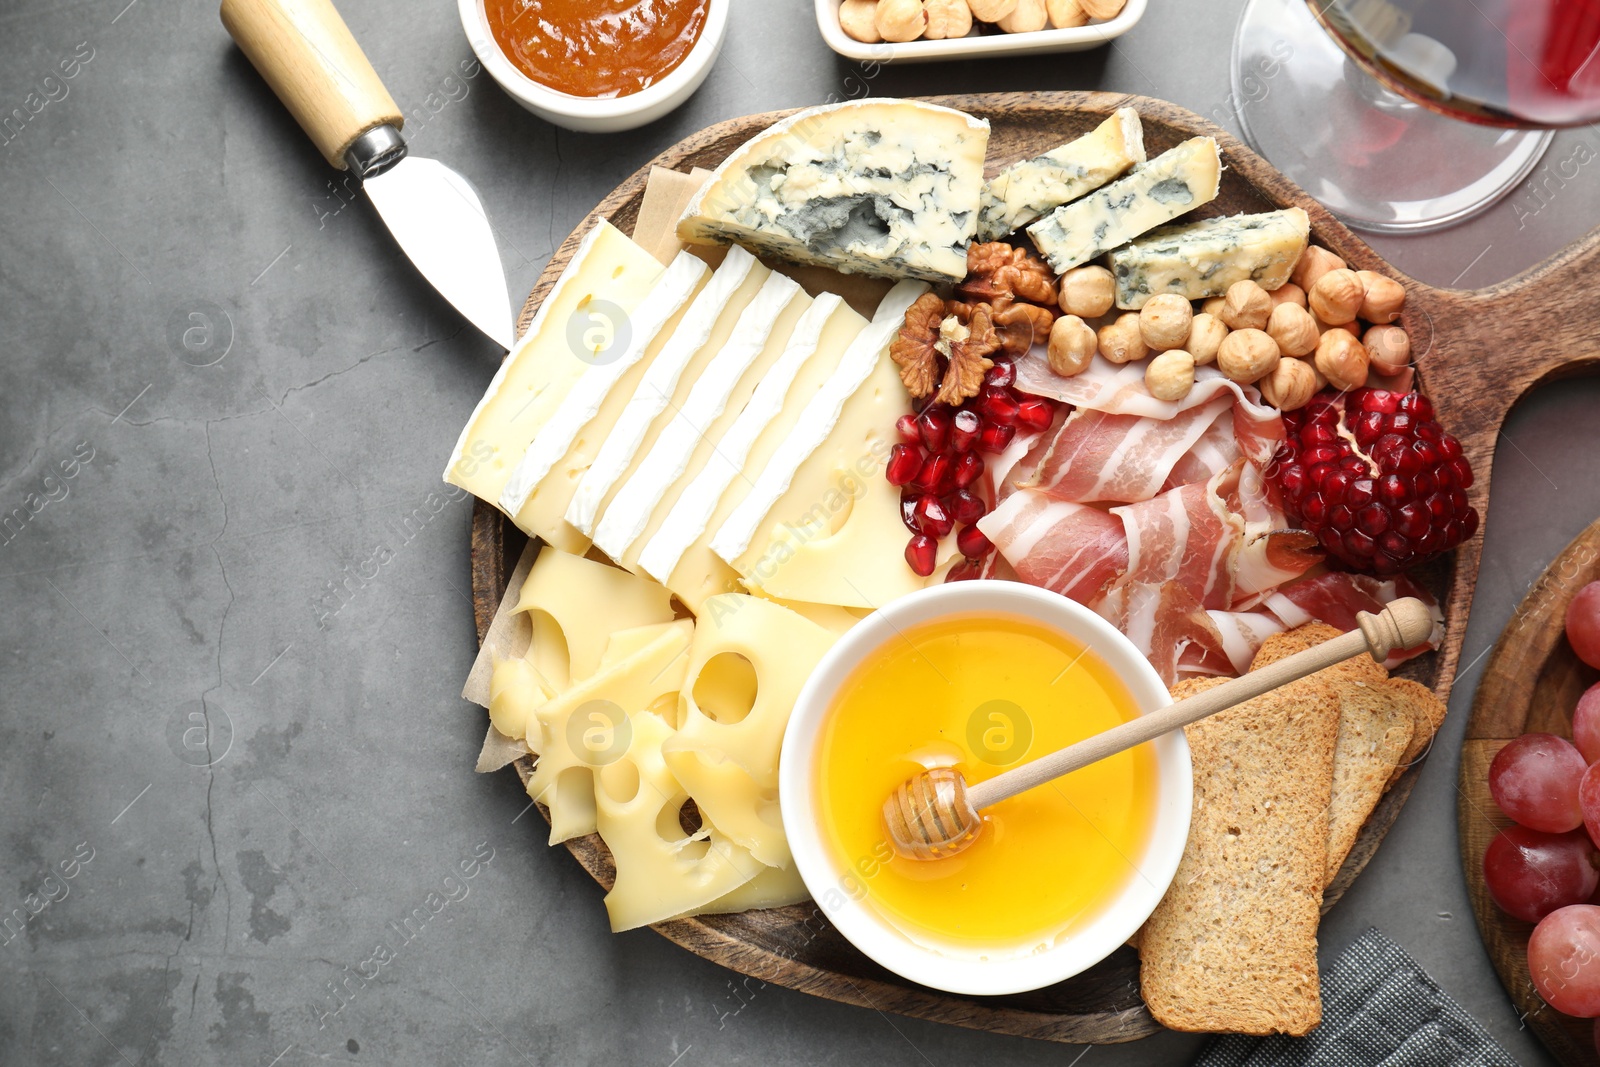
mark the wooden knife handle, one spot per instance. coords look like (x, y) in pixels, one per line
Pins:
(306, 53)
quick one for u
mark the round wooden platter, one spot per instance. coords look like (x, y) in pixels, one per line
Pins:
(1477, 353)
(1531, 684)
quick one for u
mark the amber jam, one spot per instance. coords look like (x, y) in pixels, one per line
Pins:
(596, 48)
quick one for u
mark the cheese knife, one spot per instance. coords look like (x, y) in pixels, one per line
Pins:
(305, 52)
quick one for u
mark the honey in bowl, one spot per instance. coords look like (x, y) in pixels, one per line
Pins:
(596, 48)
(983, 693)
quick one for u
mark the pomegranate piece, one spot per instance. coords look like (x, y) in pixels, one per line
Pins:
(1035, 414)
(964, 433)
(1003, 373)
(936, 475)
(934, 427)
(1375, 478)
(922, 554)
(967, 508)
(998, 406)
(908, 510)
(972, 543)
(969, 465)
(933, 518)
(905, 461)
(995, 437)
(906, 427)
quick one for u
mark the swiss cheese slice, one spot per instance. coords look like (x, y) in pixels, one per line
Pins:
(774, 887)
(714, 402)
(515, 691)
(700, 335)
(607, 278)
(747, 663)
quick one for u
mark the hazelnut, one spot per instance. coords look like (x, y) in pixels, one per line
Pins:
(1065, 14)
(1103, 9)
(1294, 329)
(1290, 385)
(1213, 305)
(1247, 355)
(1342, 360)
(1313, 263)
(1170, 375)
(1071, 347)
(1087, 292)
(1246, 307)
(900, 20)
(1337, 296)
(1121, 342)
(1205, 337)
(991, 10)
(1322, 383)
(1288, 293)
(1384, 297)
(859, 20)
(1027, 16)
(1164, 321)
(1389, 349)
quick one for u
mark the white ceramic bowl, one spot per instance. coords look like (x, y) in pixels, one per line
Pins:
(839, 892)
(1076, 39)
(592, 114)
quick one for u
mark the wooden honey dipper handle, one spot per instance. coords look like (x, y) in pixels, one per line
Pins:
(1405, 623)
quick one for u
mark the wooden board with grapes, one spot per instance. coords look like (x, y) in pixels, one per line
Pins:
(1082, 341)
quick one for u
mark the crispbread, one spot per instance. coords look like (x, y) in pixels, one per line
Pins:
(1232, 947)
(1375, 728)
(1427, 712)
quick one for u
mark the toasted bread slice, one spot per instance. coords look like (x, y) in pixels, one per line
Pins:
(1376, 724)
(1427, 713)
(1233, 945)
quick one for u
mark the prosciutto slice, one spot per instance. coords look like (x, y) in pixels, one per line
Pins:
(1189, 536)
(1335, 596)
(1073, 549)
(1098, 456)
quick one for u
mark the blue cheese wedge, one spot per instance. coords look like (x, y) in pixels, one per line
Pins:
(1201, 259)
(1028, 190)
(1174, 182)
(888, 188)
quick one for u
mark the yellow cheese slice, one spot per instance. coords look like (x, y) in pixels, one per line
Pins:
(662, 871)
(515, 691)
(774, 887)
(830, 617)
(747, 664)
(576, 325)
(582, 728)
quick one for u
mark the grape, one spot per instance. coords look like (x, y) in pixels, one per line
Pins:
(1535, 780)
(1564, 960)
(1586, 723)
(1583, 624)
(1589, 801)
(1530, 874)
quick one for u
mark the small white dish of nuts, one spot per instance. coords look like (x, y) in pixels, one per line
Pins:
(920, 31)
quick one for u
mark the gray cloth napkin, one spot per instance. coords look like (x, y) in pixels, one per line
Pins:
(1379, 1009)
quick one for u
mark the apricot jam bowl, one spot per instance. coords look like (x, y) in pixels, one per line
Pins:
(983, 676)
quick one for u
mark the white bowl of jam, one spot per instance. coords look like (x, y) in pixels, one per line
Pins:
(596, 67)
(983, 676)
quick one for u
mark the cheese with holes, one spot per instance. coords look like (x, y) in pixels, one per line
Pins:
(747, 663)
(635, 336)
(662, 872)
(857, 446)
(704, 329)
(680, 552)
(881, 187)
(578, 728)
(607, 277)
(695, 427)
(1174, 182)
(1200, 259)
(515, 692)
(774, 887)
(1024, 191)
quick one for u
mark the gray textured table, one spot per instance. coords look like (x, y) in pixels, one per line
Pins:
(179, 581)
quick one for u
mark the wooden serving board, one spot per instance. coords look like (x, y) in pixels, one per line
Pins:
(1478, 352)
(1531, 684)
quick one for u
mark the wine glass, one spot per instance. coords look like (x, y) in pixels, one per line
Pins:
(1412, 115)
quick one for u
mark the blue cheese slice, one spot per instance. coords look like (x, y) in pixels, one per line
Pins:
(1027, 190)
(1174, 182)
(888, 188)
(1200, 259)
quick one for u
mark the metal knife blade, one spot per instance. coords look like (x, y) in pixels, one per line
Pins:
(439, 222)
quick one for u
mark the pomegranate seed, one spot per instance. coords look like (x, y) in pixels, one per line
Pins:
(968, 467)
(906, 427)
(1292, 481)
(936, 470)
(1412, 520)
(1368, 427)
(1392, 490)
(1035, 414)
(1418, 405)
(1362, 490)
(973, 543)
(965, 571)
(999, 406)
(1341, 518)
(908, 511)
(1319, 435)
(1003, 373)
(921, 554)
(905, 460)
(1359, 544)
(933, 518)
(967, 508)
(1372, 520)
(1337, 483)
(995, 437)
(1400, 423)
(1424, 484)
(934, 426)
(1449, 447)
(1463, 473)
(966, 425)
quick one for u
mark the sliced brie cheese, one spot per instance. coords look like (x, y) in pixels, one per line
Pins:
(1026, 190)
(881, 187)
(715, 308)
(733, 540)
(628, 514)
(1174, 182)
(1201, 259)
(671, 291)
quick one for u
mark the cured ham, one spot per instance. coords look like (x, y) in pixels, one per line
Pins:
(1098, 456)
(1073, 549)
(1336, 596)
